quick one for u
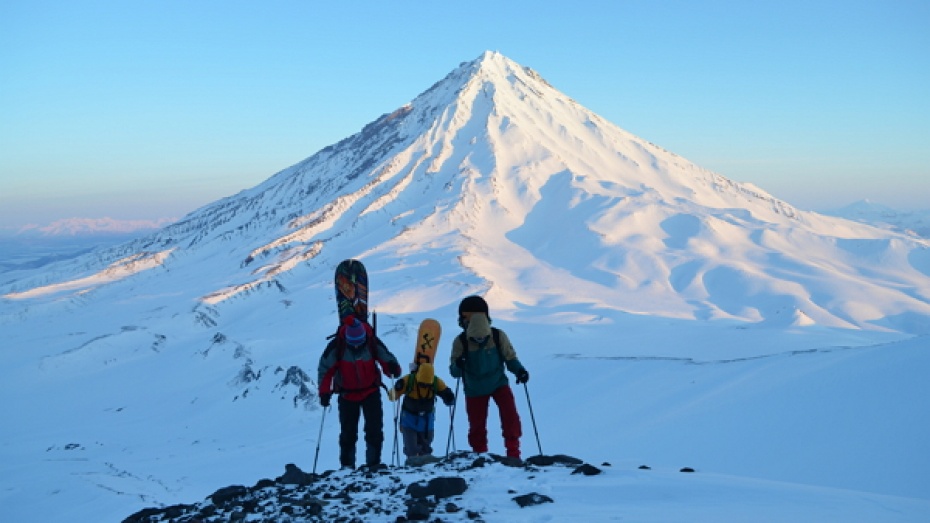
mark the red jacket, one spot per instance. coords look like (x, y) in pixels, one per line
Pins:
(353, 371)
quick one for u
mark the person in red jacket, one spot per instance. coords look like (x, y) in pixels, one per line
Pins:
(350, 367)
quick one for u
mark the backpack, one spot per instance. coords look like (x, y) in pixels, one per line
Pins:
(419, 406)
(413, 381)
(340, 346)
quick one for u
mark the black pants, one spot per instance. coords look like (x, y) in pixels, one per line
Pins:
(349, 412)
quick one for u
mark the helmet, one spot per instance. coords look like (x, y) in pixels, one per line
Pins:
(472, 304)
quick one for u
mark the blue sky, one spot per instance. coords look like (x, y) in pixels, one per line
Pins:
(149, 109)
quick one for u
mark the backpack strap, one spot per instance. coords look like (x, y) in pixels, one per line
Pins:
(411, 378)
(463, 340)
(495, 334)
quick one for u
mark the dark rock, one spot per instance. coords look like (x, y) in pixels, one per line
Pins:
(294, 476)
(439, 487)
(558, 459)
(452, 508)
(227, 494)
(263, 484)
(587, 470)
(510, 461)
(144, 515)
(687, 469)
(533, 498)
(645, 467)
(249, 506)
(355, 487)
(418, 511)
(479, 462)
(176, 511)
(314, 508)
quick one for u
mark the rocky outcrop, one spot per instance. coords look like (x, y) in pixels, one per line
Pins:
(435, 492)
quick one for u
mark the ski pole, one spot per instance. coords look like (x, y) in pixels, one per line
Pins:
(320, 437)
(395, 458)
(532, 417)
(451, 437)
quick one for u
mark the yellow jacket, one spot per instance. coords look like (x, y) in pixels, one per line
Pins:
(421, 389)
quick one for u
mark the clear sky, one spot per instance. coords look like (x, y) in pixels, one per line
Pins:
(143, 109)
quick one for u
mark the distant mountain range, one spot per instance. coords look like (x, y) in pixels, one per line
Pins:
(92, 227)
(908, 222)
(36, 246)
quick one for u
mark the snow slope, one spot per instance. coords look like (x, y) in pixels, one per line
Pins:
(668, 316)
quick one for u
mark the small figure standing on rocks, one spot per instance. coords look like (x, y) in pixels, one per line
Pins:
(418, 411)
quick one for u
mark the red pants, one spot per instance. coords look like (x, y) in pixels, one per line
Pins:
(477, 408)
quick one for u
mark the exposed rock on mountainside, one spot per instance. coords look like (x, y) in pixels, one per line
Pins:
(388, 494)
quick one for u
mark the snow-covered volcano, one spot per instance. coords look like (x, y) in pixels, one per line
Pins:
(159, 370)
(507, 187)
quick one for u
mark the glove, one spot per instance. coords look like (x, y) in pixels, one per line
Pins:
(523, 376)
(448, 397)
(395, 371)
(324, 399)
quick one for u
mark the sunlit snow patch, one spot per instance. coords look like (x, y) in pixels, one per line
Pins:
(116, 271)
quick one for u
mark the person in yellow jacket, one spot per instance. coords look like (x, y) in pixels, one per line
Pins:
(418, 411)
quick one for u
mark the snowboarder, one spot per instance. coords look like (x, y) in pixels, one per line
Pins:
(418, 411)
(479, 356)
(349, 367)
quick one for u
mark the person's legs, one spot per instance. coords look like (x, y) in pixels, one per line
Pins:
(411, 442)
(348, 431)
(426, 435)
(374, 428)
(511, 428)
(477, 410)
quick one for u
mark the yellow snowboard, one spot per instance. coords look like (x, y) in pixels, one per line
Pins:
(427, 342)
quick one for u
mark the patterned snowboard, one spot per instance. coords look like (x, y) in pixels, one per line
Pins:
(427, 342)
(352, 290)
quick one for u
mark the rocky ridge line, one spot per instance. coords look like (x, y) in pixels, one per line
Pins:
(398, 494)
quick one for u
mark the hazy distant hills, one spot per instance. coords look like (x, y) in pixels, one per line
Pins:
(88, 227)
(865, 211)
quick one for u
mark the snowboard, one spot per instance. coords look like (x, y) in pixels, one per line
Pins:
(427, 342)
(352, 290)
